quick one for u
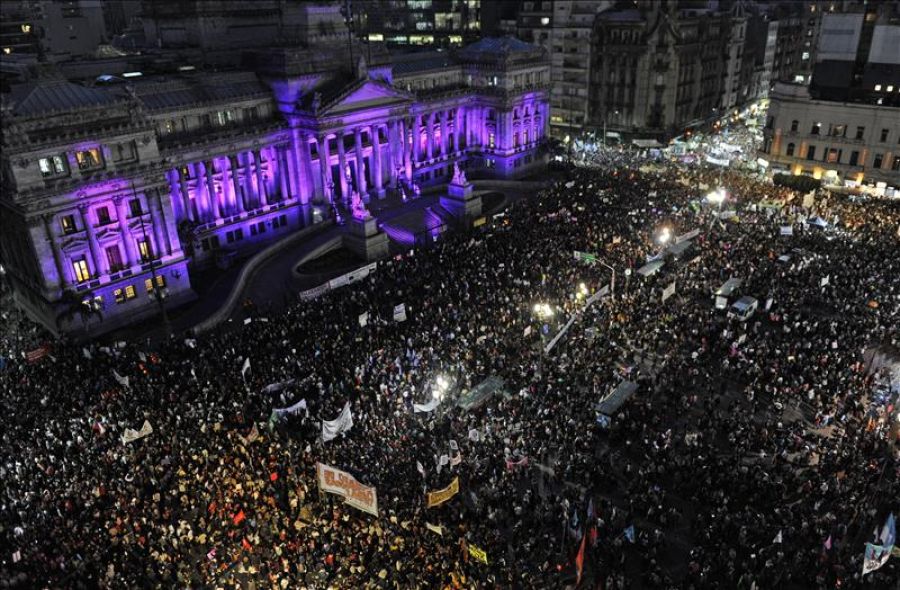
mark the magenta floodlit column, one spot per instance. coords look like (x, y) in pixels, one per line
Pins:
(444, 115)
(54, 248)
(376, 157)
(324, 166)
(457, 128)
(92, 240)
(429, 137)
(361, 184)
(211, 188)
(127, 239)
(235, 183)
(417, 139)
(342, 162)
(260, 181)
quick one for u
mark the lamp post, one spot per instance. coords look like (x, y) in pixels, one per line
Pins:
(717, 197)
(347, 13)
(543, 312)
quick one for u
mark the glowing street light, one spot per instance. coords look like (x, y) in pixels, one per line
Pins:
(664, 236)
(717, 197)
(582, 291)
(543, 310)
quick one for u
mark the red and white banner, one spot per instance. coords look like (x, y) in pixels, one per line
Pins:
(33, 356)
(511, 465)
(335, 481)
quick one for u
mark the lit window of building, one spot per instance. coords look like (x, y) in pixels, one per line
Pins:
(80, 267)
(89, 158)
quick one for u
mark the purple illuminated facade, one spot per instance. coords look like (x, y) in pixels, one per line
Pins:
(195, 169)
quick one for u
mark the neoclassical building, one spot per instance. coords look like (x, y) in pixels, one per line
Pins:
(114, 194)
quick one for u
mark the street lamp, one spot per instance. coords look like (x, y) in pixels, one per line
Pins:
(664, 236)
(717, 197)
(543, 312)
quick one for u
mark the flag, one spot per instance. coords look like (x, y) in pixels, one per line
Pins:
(888, 536)
(874, 557)
(473, 435)
(245, 368)
(143, 358)
(123, 381)
(246, 545)
(363, 319)
(777, 539)
(420, 468)
(212, 554)
(436, 528)
(828, 543)
(592, 521)
(239, 517)
(341, 424)
(427, 407)
(86, 353)
(579, 559)
(629, 533)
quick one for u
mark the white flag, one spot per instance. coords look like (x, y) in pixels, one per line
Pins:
(132, 435)
(473, 435)
(245, 368)
(363, 319)
(777, 538)
(527, 331)
(453, 445)
(400, 313)
(874, 557)
(420, 468)
(123, 381)
(190, 342)
(343, 423)
(86, 353)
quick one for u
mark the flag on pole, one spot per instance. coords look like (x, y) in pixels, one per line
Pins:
(874, 557)
(828, 543)
(420, 468)
(629, 533)
(245, 368)
(777, 539)
(123, 381)
(579, 560)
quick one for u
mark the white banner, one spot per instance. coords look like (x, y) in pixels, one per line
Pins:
(668, 291)
(352, 276)
(276, 387)
(428, 407)
(687, 236)
(787, 230)
(245, 368)
(294, 409)
(131, 435)
(343, 423)
(123, 381)
(335, 481)
(400, 313)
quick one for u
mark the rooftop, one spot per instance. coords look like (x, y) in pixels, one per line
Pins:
(56, 95)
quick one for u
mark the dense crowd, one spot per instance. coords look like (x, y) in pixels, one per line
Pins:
(751, 455)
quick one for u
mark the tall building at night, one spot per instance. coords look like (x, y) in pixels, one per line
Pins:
(844, 126)
(115, 193)
(437, 23)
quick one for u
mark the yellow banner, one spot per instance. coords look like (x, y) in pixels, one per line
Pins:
(477, 553)
(439, 497)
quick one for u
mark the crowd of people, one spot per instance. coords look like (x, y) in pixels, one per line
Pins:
(750, 456)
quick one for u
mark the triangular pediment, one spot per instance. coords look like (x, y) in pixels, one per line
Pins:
(366, 94)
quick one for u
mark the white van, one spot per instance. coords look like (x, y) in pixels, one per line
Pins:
(725, 293)
(744, 308)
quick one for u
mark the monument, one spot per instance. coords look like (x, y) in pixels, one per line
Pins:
(461, 201)
(363, 236)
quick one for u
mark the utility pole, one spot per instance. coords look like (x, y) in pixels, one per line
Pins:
(347, 13)
(157, 291)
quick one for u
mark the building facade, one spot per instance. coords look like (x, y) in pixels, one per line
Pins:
(437, 23)
(113, 195)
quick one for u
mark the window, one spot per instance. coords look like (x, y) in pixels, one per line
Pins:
(790, 150)
(134, 205)
(811, 153)
(68, 224)
(103, 216)
(860, 131)
(114, 258)
(515, 140)
(854, 158)
(169, 127)
(878, 88)
(225, 117)
(876, 163)
(124, 152)
(145, 248)
(52, 166)
(160, 282)
(833, 156)
(884, 135)
(895, 165)
(890, 88)
(838, 131)
(80, 267)
(89, 159)
(130, 293)
(545, 20)
(119, 295)
(816, 128)
(795, 124)
(490, 140)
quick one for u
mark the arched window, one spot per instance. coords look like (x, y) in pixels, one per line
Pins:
(790, 150)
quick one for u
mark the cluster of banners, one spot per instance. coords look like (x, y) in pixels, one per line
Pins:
(438, 497)
(341, 483)
(132, 435)
(332, 428)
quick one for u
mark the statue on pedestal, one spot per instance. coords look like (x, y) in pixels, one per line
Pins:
(459, 177)
(358, 207)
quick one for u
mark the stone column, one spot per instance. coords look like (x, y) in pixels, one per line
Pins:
(376, 159)
(127, 238)
(457, 128)
(283, 181)
(54, 248)
(324, 165)
(211, 188)
(444, 130)
(304, 175)
(416, 138)
(157, 222)
(236, 183)
(96, 266)
(247, 165)
(342, 162)
(360, 164)
(260, 180)
(429, 137)
(406, 154)
(167, 236)
(185, 195)
(392, 147)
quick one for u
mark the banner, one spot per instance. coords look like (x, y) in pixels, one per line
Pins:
(276, 387)
(435, 528)
(33, 356)
(133, 435)
(352, 276)
(429, 407)
(343, 423)
(341, 483)
(440, 496)
(294, 409)
(400, 313)
(245, 368)
(477, 553)
(668, 291)
(875, 556)
(123, 381)
(687, 236)
(786, 230)
(826, 280)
